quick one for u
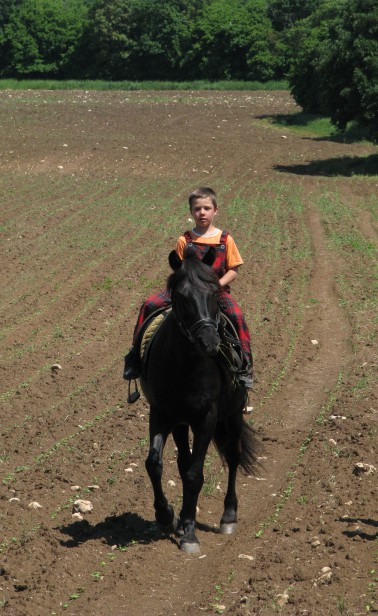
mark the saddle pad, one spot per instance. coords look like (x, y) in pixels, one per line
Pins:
(149, 333)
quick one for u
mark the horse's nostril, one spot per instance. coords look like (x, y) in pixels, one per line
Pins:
(208, 345)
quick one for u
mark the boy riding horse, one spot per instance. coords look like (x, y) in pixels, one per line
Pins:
(203, 207)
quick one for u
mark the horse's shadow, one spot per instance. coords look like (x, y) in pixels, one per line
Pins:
(120, 530)
(358, 531)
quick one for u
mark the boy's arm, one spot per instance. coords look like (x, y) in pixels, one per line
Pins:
(233, 257)
(233, 261)
(180, 246)
(229, 276)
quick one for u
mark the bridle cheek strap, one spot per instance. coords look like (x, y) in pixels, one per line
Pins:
(193, 331)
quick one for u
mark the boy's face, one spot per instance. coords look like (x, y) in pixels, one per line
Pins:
(203, 212)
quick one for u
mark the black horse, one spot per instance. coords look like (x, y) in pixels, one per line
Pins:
(188, 386)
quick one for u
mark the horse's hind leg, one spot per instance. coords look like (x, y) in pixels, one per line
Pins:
(164, 513)
(228, 523)
(227, 439)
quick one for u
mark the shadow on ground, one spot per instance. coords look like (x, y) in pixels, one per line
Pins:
(358, 531)
(315, 124)
(121, 530)
(346, 166)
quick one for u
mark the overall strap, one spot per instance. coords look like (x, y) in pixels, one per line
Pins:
(223, 239)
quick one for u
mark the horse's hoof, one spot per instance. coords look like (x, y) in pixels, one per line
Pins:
(228, 528)
(168, 529)
(190, 547)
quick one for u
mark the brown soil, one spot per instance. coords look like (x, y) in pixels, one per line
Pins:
(92, 192)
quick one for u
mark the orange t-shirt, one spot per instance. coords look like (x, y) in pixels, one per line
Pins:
(233, 258)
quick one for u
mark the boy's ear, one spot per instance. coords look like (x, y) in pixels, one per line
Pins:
(209, 257)
(174, 261)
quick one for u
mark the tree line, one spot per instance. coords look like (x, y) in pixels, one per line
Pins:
(327, 49)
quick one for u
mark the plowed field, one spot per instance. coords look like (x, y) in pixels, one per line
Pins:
(93, 192)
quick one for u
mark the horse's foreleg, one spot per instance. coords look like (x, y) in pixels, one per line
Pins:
(193, 480)
(184, 457)
(164, 513)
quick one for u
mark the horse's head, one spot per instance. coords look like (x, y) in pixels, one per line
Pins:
(194, 286)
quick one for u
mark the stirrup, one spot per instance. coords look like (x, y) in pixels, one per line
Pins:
(247, 380)
(245, 376)
(133, 396)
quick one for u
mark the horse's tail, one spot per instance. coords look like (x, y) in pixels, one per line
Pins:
(235, 437)
(249, 449)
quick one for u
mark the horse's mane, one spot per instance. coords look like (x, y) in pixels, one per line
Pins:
(197, 273)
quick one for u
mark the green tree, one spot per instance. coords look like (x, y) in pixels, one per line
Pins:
(137, 39)
(6, 7)
(41, 36)
(350, 68)
(161, 32)
(233, 39)
(104, 49)
(285, 14)
(336, 68)
(309, 41)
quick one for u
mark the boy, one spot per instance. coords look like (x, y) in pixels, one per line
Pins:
(203, 207)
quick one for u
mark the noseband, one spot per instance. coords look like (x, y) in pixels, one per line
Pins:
(191, 332)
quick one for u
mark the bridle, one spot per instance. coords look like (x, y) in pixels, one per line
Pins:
(191, 332)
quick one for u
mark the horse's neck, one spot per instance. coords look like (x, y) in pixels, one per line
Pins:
(176, 339)
(174, 343)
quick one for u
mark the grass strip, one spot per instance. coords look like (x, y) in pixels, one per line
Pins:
(96, 84)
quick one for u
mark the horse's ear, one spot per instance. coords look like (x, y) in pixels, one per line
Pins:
(174, 261)
(209, 257)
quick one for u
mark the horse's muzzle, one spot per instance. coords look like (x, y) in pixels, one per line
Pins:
(207, 343)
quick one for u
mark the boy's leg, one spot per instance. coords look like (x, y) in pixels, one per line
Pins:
(232, 309)
(152, 303)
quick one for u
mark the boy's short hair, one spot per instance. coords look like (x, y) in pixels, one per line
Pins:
(202, 193)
